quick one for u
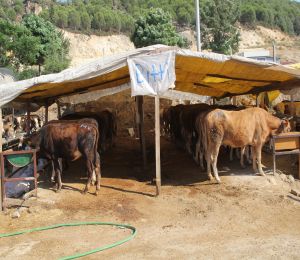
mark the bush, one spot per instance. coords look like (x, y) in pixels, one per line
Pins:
(155, 27)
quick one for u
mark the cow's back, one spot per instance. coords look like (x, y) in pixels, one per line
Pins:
(67, 139)
(238, 128)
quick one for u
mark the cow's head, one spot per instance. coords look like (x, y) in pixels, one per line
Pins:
(34, 140)
(284, 126)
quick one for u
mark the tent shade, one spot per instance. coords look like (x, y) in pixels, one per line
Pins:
(207, 74)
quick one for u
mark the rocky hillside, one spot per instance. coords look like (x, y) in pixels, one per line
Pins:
(85, 48)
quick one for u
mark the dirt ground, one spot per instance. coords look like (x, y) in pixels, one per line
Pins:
(246, 216)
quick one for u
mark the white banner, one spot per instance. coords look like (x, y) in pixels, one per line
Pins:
(152, 74)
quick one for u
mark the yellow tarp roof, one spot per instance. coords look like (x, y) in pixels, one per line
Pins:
(207, 74)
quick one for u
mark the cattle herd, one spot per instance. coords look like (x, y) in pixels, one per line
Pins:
(200, 129)
(13, 125)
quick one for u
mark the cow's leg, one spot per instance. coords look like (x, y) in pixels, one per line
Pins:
(242, 157)
(214, 157)
(53, 174)
(231, 154)
(201, 157)
(208, 160)
(90, 171)
(197, 151)
(258, 152)
(98, 174)
(254, 163)
(57, 169)
(238, 155)
(248, 154)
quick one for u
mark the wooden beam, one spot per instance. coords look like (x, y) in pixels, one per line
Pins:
(140, 123)
(157, 147)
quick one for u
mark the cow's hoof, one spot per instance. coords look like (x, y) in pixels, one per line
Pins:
(210, 178)
(58, 190)
(218, 181)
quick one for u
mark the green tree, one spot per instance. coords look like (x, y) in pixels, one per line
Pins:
(52, 41)
(248, 16)
(220, 33)
(74, 19)
(155, 27)
(18, 46)
(85, 21)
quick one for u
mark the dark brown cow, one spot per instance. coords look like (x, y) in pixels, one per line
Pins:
(251, 126)
(71, 140)
(106, 120)
(187, 119)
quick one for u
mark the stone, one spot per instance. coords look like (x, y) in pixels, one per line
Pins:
(272, 180)
(291, 178)
(131, 132)
(283, 177)
(16, 214)
(295, 192)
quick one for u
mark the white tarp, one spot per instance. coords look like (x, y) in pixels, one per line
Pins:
(103, 66)
(152, 74)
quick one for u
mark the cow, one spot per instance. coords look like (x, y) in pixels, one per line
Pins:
(70, 140)
(34, 125)
(251, 126)
(187, 119)
(106, 120)
(9, 126)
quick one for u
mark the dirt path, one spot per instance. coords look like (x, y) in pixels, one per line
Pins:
(246, 216)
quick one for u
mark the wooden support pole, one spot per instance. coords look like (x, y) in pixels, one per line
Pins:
(46, 112)
(58, 110)
(28, 121)
(1, 143)
(1, 129)
(140, 122)
(157, 147)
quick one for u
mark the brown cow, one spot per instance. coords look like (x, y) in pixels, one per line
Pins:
(71, 140)
(251, 126)
(106, 120)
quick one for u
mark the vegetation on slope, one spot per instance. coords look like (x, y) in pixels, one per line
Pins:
(114, 16)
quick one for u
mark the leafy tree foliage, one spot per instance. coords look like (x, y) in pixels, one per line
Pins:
(248, 15)
(220, 33)
(156, 27)
(52, 42)
(18, 45)
(34, 42)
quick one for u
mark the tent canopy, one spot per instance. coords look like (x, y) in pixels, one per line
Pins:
(207, 74)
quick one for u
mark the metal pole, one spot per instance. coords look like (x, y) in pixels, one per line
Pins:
(157, 146)
(198, 25)
(274, 51)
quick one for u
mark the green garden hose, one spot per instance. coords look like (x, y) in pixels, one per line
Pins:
(133, 233)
